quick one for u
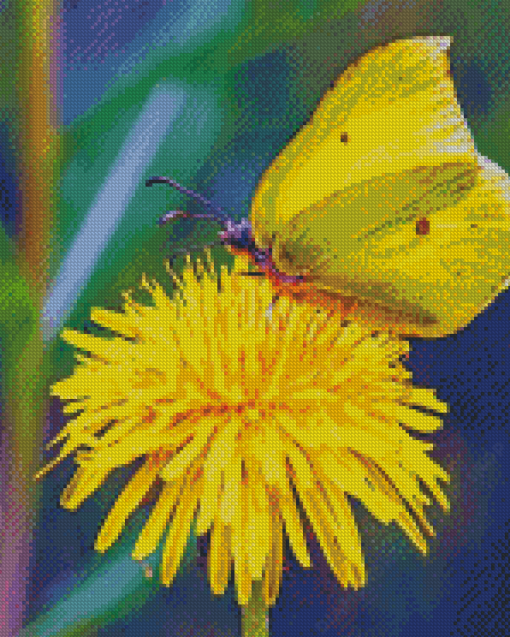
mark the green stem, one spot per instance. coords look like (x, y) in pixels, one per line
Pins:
(255, 619)
(24, 373)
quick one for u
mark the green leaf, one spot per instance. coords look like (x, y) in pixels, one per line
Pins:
(7, 61)
(18, 313)
(110, 588)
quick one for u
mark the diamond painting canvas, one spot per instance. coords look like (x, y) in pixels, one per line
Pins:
(266, 396)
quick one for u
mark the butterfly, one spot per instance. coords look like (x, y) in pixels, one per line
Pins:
(381, 204)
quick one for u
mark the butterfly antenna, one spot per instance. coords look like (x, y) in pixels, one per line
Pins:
(216, 214)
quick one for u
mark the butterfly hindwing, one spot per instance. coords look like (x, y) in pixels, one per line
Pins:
(425, 279)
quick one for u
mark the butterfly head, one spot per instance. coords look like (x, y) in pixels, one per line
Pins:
(237, 236)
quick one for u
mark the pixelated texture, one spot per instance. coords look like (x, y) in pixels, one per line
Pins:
(209, 92)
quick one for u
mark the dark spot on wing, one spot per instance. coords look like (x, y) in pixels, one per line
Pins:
(423, 226)
(344, 138)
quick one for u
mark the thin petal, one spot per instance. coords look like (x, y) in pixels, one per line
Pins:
(351, 477)
(69, 447)
(220, 558)
(114, 321)
(411, 529)
(99, 347)
(179, 532)
(346, 530)
(239, 550)
(272, 459)
(184, 458)
(412, 418)
(422, 397)
(209, 503)
(396, 484)
(220, 454)
(87, 478)
(301, 467)
(273, 572)
(229, 507)
(293, 526)
(242, 576)
(126, 503)
(322, 526)
(155, 526)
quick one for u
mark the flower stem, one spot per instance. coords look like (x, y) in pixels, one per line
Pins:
(24, 388)
(255, 619)
(38, 93)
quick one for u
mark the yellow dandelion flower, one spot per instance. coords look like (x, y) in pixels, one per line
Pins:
(253, 415)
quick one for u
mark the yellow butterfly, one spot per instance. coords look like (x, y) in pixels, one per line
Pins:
(381, 203)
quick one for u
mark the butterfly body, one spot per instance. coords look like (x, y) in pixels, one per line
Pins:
(239, 240)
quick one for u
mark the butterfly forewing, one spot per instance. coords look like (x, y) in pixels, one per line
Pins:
(393, 110)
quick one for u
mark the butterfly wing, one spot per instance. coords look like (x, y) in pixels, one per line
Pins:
(428, 283)
(387, 146)
(394, 109)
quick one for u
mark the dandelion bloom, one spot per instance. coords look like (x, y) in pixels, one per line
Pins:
(252, 414)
